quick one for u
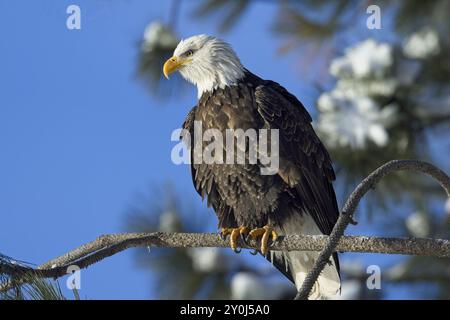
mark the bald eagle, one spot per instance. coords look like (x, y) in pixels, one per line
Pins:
(299, 198)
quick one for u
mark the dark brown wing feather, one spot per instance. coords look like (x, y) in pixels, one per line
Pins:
(303, 150)
(309, 167)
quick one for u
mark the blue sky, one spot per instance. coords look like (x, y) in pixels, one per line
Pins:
(80, 135)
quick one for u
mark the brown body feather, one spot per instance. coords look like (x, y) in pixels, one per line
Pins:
(238, 193)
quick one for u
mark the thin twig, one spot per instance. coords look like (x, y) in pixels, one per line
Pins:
(350, 206)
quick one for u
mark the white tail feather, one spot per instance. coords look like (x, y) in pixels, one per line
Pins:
(328, 283)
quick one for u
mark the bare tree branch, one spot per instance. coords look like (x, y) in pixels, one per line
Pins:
(352, 202)
(108, 245)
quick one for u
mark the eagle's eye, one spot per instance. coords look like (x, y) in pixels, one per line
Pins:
(189, 53)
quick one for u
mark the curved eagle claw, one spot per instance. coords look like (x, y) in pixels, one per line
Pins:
(267, 234)
(254, 252)
(235, 234)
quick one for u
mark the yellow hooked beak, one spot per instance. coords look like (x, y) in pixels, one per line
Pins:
(173, 64)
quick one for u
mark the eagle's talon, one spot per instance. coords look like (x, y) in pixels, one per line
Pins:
(234, 233)
(254, 252)
(274, 239)
(267, 234)
(224, 232)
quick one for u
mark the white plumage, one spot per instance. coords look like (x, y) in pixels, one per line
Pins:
(214, 63)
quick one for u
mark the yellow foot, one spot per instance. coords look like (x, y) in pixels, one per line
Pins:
(234, 234)
(265, 233)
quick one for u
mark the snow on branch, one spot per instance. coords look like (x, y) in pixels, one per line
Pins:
(108, 245)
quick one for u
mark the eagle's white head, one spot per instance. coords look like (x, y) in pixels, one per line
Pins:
(207, 62)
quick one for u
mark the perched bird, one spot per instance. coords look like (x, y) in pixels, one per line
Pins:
(298, 199)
